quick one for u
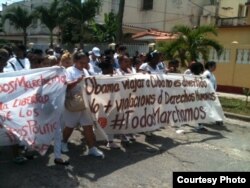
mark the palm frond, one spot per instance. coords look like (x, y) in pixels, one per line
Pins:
(191, 43)
(185, 30)
(202, 30)
(214, 44)
(19, 17)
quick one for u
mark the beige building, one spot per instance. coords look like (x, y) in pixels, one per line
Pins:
(233, 22)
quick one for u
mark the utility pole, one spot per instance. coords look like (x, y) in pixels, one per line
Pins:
(217, 16)
(119, 36)
(165, 16)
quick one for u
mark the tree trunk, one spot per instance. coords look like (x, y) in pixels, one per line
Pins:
(119, 37)
(51, 38)
(182, 58)
(81, 36)
(25, 37)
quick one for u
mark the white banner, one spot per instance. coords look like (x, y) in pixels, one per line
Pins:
(144, 102)
(31, 103)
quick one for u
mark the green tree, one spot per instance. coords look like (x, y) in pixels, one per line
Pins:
(106, 32)
(191, 43)
(20, 18)
(49, 16)
(79, 13)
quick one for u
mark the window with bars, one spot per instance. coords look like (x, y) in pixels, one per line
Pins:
(147, 4)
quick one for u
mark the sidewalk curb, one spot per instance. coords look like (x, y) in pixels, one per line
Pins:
(237, 116)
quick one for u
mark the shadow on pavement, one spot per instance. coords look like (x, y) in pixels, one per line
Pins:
(42, 172)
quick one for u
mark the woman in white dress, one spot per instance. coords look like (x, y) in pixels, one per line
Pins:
(75, 74)
(210, 67)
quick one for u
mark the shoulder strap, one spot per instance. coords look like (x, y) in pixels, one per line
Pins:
(14, 68)
(20, 62)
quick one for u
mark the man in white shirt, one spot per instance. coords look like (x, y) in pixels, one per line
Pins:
(94, 68)
(19, 62)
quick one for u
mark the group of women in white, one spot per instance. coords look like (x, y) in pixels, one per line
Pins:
(80, 64)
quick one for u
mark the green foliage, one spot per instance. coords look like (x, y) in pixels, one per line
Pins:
(49, 16)
(236, 106)
(20, 18)
(106, 32)
(78, 14)
(246, 92)
(191, 43)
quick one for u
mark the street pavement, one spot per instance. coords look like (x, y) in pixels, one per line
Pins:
(149, 162)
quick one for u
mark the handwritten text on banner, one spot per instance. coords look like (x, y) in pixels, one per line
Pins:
(144, 102)
(31, 103)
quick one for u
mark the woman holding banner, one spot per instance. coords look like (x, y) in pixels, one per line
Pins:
(71, 119)
(126, 68)
(150, 66)
(18, 158)
(153, 58)
(210, 67)
(197, 69)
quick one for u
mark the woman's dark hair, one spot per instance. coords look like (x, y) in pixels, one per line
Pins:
(152, 54)
(106, 65)
(108, 52)
(9, 49)
(210, 64)
(21, 47)
(78, 55)
(122, 48)
(108, 59)
(173, 62)
(136, 61)
(197, 68)
(122, 57)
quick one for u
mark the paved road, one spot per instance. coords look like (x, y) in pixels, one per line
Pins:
(142, 164)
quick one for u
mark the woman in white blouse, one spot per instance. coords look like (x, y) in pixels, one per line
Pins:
(75, 74)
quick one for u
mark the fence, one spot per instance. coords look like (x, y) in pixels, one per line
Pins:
(131, 47)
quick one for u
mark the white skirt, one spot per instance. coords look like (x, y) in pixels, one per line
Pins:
(72, 119)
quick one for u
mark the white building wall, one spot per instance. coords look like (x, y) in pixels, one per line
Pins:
(165, 13)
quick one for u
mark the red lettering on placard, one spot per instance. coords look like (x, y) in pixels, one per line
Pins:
(28, 113)
(34, 99)
(21, 82)
(3, 106)
(5, 116)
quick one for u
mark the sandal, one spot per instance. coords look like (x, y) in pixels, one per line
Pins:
(61, 162)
